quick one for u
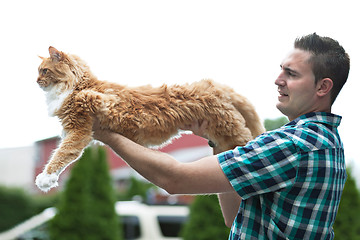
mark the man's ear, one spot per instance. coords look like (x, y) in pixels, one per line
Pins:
(324, 86)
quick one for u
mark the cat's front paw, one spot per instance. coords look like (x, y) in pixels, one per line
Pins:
(45, 181)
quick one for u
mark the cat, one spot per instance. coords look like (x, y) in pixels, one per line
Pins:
(148, 115)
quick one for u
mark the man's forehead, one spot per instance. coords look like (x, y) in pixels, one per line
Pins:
(297, 58)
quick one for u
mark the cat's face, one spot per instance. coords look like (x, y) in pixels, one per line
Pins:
(58, 71)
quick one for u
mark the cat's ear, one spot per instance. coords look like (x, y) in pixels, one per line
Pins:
(55, 55)
(42, 58)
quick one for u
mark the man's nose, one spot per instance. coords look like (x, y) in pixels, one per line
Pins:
(280, 80)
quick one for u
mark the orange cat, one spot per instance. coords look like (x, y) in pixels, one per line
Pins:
(149, 116)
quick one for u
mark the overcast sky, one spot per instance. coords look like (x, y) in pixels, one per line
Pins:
(239, 43)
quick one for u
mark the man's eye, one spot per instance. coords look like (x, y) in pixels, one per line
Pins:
(291, 74)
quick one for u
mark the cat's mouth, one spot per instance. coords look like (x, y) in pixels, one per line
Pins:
(42, 83)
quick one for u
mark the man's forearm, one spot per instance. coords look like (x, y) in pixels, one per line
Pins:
(198, 177)
(135, 154)
(202, 176)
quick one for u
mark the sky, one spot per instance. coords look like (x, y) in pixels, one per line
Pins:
(139, 42)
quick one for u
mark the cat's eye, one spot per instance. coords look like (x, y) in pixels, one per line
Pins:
(44, 71)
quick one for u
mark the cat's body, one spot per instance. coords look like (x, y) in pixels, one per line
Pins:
(149, 116)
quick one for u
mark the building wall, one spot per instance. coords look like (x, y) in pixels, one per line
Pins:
(17, 167)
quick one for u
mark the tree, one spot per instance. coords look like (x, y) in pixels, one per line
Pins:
(106, 226)
(137, 187)
(87, 207)
(347, 223)
(205, 220)
(271, 124)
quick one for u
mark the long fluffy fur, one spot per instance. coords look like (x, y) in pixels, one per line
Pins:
(149, 116)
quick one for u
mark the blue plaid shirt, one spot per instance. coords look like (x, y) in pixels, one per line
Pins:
(290, 180)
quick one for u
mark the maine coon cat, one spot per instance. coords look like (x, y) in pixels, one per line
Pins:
(147, 115)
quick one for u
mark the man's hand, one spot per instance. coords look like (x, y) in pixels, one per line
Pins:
(197, 127)
(99, 133)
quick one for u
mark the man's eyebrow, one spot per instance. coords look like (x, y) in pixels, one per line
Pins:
(287, 69)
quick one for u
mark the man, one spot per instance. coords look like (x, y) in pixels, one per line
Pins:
(285, 184)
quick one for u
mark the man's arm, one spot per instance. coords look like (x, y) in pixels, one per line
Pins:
(199, 177)
(229, 202)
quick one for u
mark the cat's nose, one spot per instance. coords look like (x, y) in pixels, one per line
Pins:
(41, 82)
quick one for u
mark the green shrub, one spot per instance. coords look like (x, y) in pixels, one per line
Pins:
(15, 207)
(347, 223)
(205, 220)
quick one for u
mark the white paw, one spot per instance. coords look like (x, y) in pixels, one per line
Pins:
(46, 181)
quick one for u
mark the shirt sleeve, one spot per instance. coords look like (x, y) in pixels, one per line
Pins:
(266, 164)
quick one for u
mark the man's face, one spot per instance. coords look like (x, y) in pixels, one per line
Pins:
(296, 85)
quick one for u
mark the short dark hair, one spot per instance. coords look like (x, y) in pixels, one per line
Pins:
(329, 60)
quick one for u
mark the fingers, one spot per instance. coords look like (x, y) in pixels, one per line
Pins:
(198, 127)
(202, 128)
(97, 131)
(190, 126)
(96, 125)
(203, 125)
(186, 127)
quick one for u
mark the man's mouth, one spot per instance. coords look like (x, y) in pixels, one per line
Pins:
(283, 94)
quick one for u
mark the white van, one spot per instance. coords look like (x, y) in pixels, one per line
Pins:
(145, 222)
(139, 221)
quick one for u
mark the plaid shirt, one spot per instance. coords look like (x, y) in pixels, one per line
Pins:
(290, 180)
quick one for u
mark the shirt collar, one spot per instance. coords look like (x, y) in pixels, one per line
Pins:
(320, 117)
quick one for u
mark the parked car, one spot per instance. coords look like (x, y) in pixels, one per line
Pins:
(149, 222)
(139, 222)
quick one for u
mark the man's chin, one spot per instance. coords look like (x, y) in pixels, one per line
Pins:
(281, 108)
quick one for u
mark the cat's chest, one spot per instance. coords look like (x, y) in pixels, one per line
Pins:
(55, 100)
